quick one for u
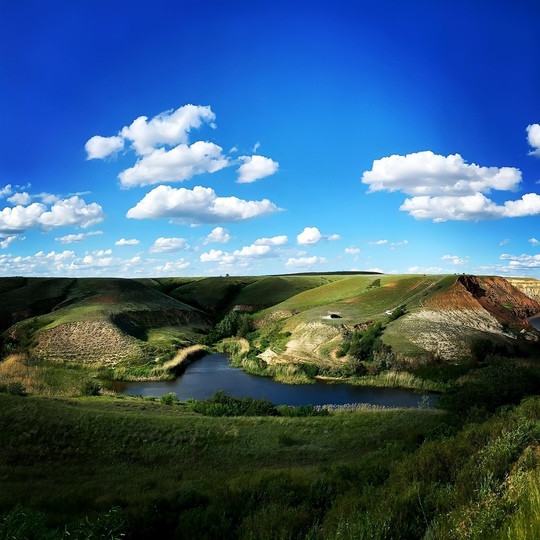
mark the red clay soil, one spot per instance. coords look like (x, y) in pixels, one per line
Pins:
(494, 294)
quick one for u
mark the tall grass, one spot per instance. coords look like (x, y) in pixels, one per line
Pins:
(524, 524)
(398, 379)
(46, 378)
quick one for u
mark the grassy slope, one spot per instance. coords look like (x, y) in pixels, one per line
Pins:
(363, 475)
(88, 454)
(272, 290)
(360, 299)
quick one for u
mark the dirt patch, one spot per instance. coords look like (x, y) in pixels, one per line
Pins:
(87, 342)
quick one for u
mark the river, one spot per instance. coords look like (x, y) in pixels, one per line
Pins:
(213, 372)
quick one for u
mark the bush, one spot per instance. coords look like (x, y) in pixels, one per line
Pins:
(220, 404)
(169, 399)
(311, 370)
(15, 388)
(91, 388)
(499, 382)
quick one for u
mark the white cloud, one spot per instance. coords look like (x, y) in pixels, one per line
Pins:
(255, 168)
(167, 245)
(197, 206)
(311, 235)
(352, 251)
(239, 257)
(256, 146)
(446, 188)
(71, 238)
(7, 240)
(233, 150)
(534, 242)
(72, 211)
(504, 242)
(20, 198)
(378, 243)
(175, 165)
(124, 242)
(521, 261)
(5, 191)
(171, 267)
(49, 198)
(274, 241)
(214, 255)
(426, 173)
(252, 251)
(304, 262)
(533, 138)
(100, 147)
(218, 235)
(470, 208)
(166, 128)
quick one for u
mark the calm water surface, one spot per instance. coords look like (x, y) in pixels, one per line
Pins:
(213, 372)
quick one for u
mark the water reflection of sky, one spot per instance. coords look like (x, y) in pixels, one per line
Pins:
(213, 372)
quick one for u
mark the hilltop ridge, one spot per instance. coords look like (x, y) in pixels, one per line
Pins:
(295, 319)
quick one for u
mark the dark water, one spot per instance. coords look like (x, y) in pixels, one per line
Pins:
(212, 373)
(535, 321)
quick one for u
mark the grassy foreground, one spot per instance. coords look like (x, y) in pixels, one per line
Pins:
(104, 467)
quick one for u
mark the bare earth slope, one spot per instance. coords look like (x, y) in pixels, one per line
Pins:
(445, 315)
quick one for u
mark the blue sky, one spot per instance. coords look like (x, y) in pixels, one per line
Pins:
(183, 138)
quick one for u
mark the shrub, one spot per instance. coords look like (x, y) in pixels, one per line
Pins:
(91, 388)
(14, 388)
(220, 404)
(169, 399)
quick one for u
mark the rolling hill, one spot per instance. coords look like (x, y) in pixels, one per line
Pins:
(297, 319)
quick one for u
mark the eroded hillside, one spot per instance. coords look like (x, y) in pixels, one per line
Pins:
(444, 316)
(528, 286)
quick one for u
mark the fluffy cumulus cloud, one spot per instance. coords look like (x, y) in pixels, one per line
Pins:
(274, 241)
(470, 208)
(534, 242)
(171, 267)
(5, 191)
(426, 173)
(180, 163)
(126, 242)
(20, 198)
(169, 127)
(73, 211)
(352, 251)
(72, 238)
(447, 188)
(255, 167)
(167, 245)
(196, 206)
(162, 146)
(521, 261)
(238, 258)
(311, 236)
(101, 147)
(378, 243)
(533, 138)
(218, 235)
(304, 262)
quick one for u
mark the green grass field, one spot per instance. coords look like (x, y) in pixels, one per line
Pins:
(131, 468)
